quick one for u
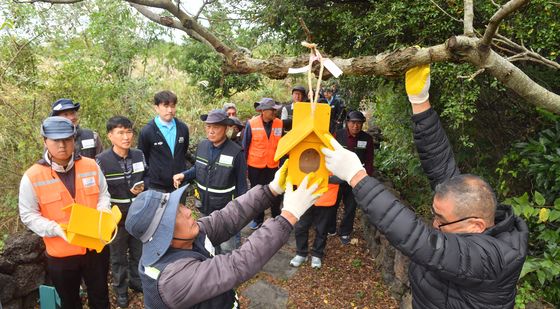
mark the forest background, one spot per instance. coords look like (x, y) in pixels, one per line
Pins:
(106, 56)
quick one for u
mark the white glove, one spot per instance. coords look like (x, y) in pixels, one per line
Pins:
(343, 163)
(417, 81)
(60, 232)
(298, 202)
(278, 184)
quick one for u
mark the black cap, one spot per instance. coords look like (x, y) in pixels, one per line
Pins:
(63, 105)
(217, 116)
(236, 122)
(355, 116)
(299, 88)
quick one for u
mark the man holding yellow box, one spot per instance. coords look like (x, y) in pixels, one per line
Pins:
(59, 179)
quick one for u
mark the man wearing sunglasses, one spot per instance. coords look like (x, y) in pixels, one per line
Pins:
(472, 254)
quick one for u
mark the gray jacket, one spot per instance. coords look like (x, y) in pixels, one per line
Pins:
(189, 281)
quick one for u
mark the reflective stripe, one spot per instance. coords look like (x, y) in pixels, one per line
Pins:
(201, 162)
(45, 182)
(87, 174)
(114, 174)
(114, 178)
(121, 200)
(215, 190)
(256, 129)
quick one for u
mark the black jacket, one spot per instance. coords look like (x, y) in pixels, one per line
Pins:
(163, 165)
(448, 270)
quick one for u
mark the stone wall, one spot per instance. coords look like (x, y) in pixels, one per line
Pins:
(22, 270)
(390, 262)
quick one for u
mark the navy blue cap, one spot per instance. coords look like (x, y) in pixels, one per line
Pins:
(151, 219)
(266, 103)
(63, 105)
(57, 127)
(217, 116)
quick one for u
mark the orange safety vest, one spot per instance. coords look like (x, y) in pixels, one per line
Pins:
(328, 198)
(262, 148)
(53, 196)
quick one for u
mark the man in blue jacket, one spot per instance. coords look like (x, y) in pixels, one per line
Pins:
(472, 254)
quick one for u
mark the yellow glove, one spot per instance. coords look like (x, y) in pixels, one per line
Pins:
(278, 184)
(418, 84)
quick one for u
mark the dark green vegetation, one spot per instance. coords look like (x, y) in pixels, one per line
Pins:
(108, 57)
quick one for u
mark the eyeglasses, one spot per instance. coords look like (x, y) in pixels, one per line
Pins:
(452, 222)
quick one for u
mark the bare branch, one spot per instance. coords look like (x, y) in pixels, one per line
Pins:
(531, 55)
(472, 76)
(494, 22)
(439, 7)
(309, 36)
(468, 29)
(19, 50)
(50, 1)
(495, 4)
(204, 4)
(168, 22)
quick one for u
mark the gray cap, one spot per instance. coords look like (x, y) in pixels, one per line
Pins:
(217, 116)
(228, 106)
(63, 105)
(151, 219)
(300, 89)
(266, 103)
(57, 127)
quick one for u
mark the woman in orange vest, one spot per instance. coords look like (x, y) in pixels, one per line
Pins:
(318, 215)
(260, 141)
(61, 178)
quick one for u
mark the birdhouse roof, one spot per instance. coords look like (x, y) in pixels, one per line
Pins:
(303, 125)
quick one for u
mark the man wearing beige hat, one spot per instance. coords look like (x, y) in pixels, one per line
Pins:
(260, 141)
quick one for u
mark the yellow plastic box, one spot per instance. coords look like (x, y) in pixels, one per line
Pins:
(91, 228)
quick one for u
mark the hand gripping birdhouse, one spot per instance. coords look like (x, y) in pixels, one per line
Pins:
(310, 133)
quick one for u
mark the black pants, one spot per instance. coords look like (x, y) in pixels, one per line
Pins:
(67, 272)
(125, 255)
(318, 216)
(347, 224)
(263, 176)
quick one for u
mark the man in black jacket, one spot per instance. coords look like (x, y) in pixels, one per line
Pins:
(126, 172)
(220, 169)
(164, 142)
(472, 255)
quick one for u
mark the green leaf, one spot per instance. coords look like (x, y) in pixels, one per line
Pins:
(557, 204)
(541, 276)
(539, 199)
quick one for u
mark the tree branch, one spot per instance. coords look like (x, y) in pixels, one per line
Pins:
(204, 4)
(468, 29)
(451, 16)
(531, 55)
(168, 22)
(50, 1)
(494, 22)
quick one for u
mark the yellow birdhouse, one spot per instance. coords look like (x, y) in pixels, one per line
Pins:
(303, 143)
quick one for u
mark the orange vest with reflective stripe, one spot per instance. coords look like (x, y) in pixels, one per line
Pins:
(262, 147)
(328, 198)
(53, 196)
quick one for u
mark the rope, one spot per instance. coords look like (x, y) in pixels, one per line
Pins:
(314, 54)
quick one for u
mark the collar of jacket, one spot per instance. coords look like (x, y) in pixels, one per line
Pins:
(504, 221)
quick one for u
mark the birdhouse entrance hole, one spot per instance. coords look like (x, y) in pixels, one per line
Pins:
(309, 161)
